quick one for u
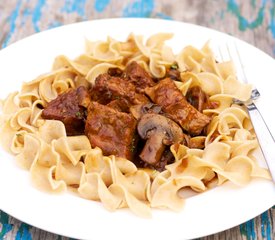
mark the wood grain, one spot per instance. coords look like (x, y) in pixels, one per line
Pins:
(249, 20)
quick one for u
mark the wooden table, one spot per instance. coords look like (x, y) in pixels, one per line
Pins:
(250, 20)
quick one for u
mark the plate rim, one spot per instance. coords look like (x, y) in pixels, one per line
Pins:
(6, 49)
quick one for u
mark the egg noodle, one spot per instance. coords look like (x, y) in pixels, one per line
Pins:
(57, 161)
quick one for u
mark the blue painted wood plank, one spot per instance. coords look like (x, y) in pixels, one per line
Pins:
(71, 6)
(6, 226)
(12, 21)
(37, 14)
(244, 23)
(23, 232)
(100, 5)
(139, 8)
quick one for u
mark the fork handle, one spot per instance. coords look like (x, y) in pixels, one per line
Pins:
(264, 136)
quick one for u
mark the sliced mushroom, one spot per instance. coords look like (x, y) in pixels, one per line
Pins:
(158, 131)
(141, 109)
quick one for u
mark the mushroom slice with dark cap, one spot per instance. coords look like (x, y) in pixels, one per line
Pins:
(140, 109)
(158, 131)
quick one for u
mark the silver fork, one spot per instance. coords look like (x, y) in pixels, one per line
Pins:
(264, 136)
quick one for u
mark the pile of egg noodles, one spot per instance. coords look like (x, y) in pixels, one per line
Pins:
(57, 162)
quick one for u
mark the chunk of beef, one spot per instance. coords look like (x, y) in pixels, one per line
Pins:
(111, 130)
(70, 108)
(138, 76)
(199, 99)
(83, 96)
(167, 95)
(174, 74)
(108, 88)
(115, 72)
(121, 105)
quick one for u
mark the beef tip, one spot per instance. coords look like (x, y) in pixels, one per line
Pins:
(167, 95)
(174, 74)
(99, 92)
(121, 105)
(108, 88)
(199, 99)
(70, 108)
(112, 131)
(138, 76)
(115, 72)
(83, 96)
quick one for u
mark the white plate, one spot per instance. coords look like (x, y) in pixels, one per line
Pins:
(70, 215)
